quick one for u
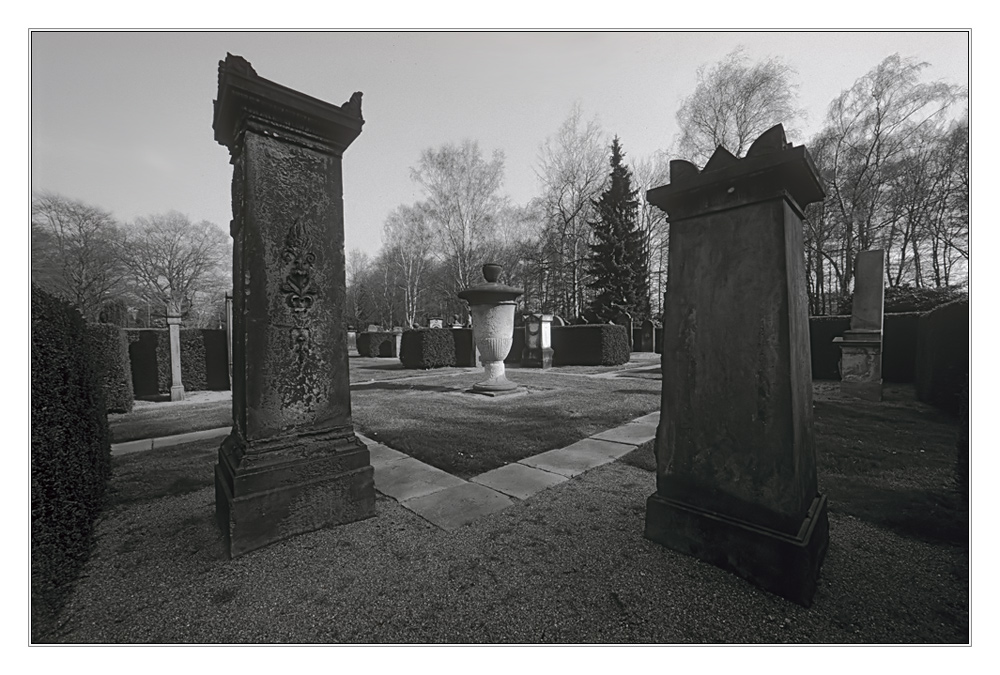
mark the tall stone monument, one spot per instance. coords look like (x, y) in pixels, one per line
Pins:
(861, 346)
(174, 328)
(736, 469)
(292, 462)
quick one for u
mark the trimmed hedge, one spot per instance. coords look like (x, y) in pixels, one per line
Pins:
(376, 344)
(427, 348)
(962, 462)
(109, 348)
(70, 454)
(204, 360)
(598, 344)
(465, 350)
(942, 368)
(825, 355)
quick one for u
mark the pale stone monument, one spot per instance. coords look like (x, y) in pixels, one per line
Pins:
(736, 467)
(436, 322)
(292, 462)
(492, 305)
(861, 346)
(176, 386)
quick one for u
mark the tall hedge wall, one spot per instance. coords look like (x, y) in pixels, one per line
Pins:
(377, 344)
(598, 344)
(942, 369)
(427, 348)
(204, 360)
(70, 453)
(109, 347)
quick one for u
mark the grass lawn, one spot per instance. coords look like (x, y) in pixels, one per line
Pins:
(437, 421)
(154, 420)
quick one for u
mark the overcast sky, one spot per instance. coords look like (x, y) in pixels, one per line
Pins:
(123, 120)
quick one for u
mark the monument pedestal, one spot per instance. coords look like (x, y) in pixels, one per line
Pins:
(861, 364)
(292, 463)
(784, 564)
(290, 485)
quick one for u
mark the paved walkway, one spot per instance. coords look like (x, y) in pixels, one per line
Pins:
(450, 502)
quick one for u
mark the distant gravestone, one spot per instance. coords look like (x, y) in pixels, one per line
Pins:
(646, 335)
(292, 463)
(736, 467)
(861, 346)
(436, 322)
(373, 328)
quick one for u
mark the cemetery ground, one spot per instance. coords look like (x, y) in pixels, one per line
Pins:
(568, 564)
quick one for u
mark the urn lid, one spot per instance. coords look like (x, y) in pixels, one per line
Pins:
(490, 292)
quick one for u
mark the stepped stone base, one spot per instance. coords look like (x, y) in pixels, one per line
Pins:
(784, 565)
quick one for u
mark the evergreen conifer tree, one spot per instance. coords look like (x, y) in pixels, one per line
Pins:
(618, 262)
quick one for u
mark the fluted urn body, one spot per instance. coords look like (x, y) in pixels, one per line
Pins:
(492, 305)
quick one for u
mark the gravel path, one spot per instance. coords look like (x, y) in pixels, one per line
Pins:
(568, 565)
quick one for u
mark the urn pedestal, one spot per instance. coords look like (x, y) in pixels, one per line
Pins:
(492, 305)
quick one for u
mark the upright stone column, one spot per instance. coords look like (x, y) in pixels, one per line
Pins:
(736, 469)
(292, 463)
(176, 386)
(861, 346)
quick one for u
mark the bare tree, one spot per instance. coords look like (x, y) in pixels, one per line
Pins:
(571, 171)
(734, 102)
(408, 242)
(649, 173)
(172, 260)
(75, 252)
(871, 129)
(464, 199)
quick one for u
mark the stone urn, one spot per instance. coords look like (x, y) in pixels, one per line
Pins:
(492, 305)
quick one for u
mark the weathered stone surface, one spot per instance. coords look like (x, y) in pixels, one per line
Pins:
(292, 462)
(735, 440)
(869, 291)
(537, 352)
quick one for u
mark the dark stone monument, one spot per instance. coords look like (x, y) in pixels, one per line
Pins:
(646, 336)
(292, 462)
(736, 469)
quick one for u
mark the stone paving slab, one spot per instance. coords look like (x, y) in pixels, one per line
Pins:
(456, 506)
(408, 478)
(380, 455)
(652, 418)
(632, 434)
(518, 480)
(580, 456)
(131, 446)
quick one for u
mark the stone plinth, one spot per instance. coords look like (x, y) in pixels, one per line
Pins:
(736, 468)
(176, 385)
(861, 346)
(537, 352)
(292, 462)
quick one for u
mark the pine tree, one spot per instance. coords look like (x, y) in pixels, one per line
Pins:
(618, 260)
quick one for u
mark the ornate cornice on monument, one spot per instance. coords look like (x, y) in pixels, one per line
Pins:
(772, 167)
(247, 101)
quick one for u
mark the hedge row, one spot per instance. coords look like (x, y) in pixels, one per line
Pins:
(427, 348)
(899, 346)
(70, 453)
(581, 345)
(942, 364)
(376, 344)
(204, 360)
(598, 344)
(109, 347)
